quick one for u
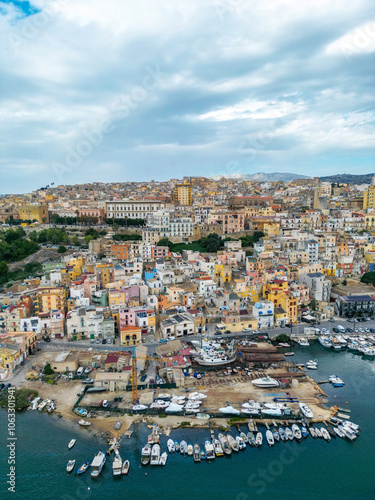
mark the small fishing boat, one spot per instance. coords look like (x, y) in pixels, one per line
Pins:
(251, 438)
(210, 453)
(177, 446)
(282, 434)
(331, 432)
(97, 464)
(233, 443)
(125, 467)
(72, 442)
(183, 447)
(313, 432)
(117, 464)
(318, 433)
(339, 432)
(197, 453)
(289, 434)
(241, 443)
(203, 455)
(304, 431)
(269, 438)
(244, 437)
(163, 458)
(219, 452)
(84, 423)
(83, 468)
(146, 454)
(190, 450)
(325, 434)
(170, 446)
(70, 466)
(225, 444)
(296, 432)
(276, 435)
(258, 439)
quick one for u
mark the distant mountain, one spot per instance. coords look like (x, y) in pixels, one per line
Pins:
(264, 177)
(348, 178)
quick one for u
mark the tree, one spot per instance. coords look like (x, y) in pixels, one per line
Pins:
(344, 282)
(47, 370)
(368, 278)
(3, 268)
(61, 249)
(165, 242)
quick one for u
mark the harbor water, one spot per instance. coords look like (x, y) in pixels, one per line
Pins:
(312, 470)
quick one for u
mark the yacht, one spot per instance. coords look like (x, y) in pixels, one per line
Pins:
(230, 410)
(306, 410)
(265, 382)
(155, 454)
(146, 454)
(270, 438)
(210, 453)
(117, 464)
(97, 464)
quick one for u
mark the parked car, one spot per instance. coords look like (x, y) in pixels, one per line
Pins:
(162, 341)
(92, 341)
(336, 330)
(349, 330)
(97, 341)
(104, 341)
(6, 386)
(227, 331)
(172, 337)
(104, 403)
(372, 330)
(143, 378)
(247, 330)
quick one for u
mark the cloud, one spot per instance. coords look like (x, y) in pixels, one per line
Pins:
(238, 86)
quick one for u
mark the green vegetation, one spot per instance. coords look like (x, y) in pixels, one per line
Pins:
(22, 398)
(127, 237)
(30, 269)
(248, 241)
(125, 222)
(211, 243)
(47, 370)
(62, 249)
(282, 338)
(368, 278)
(14, 246)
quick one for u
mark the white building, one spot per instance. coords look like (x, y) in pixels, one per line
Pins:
(263, 313)
(132, 209)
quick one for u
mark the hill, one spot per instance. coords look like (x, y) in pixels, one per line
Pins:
(348, 178)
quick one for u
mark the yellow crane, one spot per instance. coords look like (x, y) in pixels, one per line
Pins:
(149, 357)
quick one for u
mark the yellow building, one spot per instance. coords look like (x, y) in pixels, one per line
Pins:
(51, 298)
(116, 298)
(34, 212)
(131, 335)
(183, 194)
(369, 198)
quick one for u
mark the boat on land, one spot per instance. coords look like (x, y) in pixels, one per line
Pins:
(197, 453)
(70, 466)
(259, 439)
(117, 464)
(289, 434)
(306, 410)
(203, 416)
(229, 410)
(118, 425)
(83, 468)
(98, 464)
(146, 454)
(72, 442)
(170, 446)
(155, 454)
(84, 423)
(183, 447)
(270, 438)
(325, 434)
(265, 382)
(233, 443)
(163, 458)
(125, 467)
(210, 453)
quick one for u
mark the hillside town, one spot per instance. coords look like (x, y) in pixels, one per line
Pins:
(132, 280)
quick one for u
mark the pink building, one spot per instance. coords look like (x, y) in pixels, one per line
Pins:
(158, 252)
(126, 318)
(93, 212)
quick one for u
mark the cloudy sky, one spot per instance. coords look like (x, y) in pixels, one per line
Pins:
(117, 90)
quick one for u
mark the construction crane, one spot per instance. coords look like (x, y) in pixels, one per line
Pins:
(149, 357)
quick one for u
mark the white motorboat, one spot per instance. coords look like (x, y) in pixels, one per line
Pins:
(197, 395)
(225, 444)
(275, 412)
(348, 432)
(155, 454)
(72, 442)
(219, 452)
(325, 434)
(70, 466)
(289, 434)
(209, 448)
(183, 447)
(270, 438)
(171, 446)
(259, 439)
(190, 450)
(318, 433)
(306, 410)
(163, 458)
(174, 408)
(197, 453)
(232, 443)
(125, 467)
(146, 454)
(230, 410)
(312, 365)
(282, 434)
(296, 432)
(164, 396)
(84, 423)
(117, 464)
(241, 443)
(139, 407)
(265, 382)
(97, 464)
(312, 432)
(339, 432)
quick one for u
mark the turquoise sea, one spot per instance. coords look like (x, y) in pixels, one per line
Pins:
(312, 470)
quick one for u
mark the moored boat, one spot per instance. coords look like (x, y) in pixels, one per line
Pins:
(72, 442)
(83, 468)
(232, 443)
(163, 458)
(117, 464)
(125, 467)
(146, 454)
(225, 444)
(241, 443)
(296, 432)
(70, 466)
(325, 434)
(170, 445)
(155, 454)
(97, 464)
(210, 453)
(197, 453)
(282, 434)
(270, 438)
(289, 434)
(190, 450)
(259, 439)
(183, 447)
(219, 452)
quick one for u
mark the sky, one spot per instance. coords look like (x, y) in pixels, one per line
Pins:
(114, 90)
